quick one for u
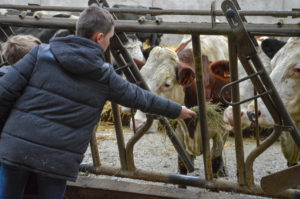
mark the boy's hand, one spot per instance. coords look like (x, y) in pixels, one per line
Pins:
(186, 113)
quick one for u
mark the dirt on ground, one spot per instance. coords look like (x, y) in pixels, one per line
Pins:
(155, 152)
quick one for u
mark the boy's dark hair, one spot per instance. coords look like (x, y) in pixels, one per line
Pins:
(94, 19)
(16, 47)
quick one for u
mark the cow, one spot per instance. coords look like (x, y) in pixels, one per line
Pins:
(286, 79)
(134, 48)
(212, 54)
(246, 87)
(172, 76)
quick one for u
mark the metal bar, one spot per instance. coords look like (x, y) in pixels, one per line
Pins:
(178, 145)
(256, 120)
(132, 73)
(154, 12)
(258, 85)
(202, 107)
(235, 93)
(118, 124)
(214, 185)
(134, 139)
(94, 148)
(256, 152)
(119, 135)
(164, 27)
(235, 82)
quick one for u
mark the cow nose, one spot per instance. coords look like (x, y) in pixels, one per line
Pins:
(251, 115)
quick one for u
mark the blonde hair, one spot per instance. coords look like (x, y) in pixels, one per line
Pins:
(16, 47)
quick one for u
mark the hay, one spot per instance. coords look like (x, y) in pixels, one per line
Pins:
(214, 116)
(107, 115)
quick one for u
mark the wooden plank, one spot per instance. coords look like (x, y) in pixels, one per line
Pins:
(87, 187)
(282, 180)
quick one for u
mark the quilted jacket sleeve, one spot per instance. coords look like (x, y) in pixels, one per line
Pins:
(130, 95)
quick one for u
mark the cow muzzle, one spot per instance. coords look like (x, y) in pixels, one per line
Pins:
(252, 116)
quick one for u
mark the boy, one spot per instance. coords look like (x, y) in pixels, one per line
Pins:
(15, 48)
(57, 93)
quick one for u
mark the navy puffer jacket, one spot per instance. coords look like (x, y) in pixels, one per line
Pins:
(56, 94)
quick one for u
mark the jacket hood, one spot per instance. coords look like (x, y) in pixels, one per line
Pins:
(78, 55)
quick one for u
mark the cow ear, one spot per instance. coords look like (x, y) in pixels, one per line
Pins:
(271, 46)
(220, 70)
(139, 63)
(185, 75)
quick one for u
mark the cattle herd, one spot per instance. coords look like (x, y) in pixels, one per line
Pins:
(171, 74)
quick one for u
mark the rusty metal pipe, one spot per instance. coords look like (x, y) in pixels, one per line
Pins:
(164, 27)
(154, 12)
(177, 145)
(94, 148)
(118, 124)
(214, 185)
(134, 139)
(235, 93)
(256, 152)
(119, 135)
(202, 107)
(257, 137)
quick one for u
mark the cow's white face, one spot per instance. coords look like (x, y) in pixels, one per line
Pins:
(286, 79)
(134, 48)
(160, 74)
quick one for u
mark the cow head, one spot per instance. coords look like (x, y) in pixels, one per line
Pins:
(165, 77)
(134, 48)
(267, 48)
(286, 79)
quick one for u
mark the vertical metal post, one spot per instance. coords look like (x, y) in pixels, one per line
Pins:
(256, 120)
(202, 107)
(235, 93)
(118, 125)
(119, 135)
(94, 148)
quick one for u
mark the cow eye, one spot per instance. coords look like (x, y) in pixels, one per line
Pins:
(296, 71)
(167, 85)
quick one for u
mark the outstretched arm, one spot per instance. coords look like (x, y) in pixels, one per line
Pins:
(130, 95)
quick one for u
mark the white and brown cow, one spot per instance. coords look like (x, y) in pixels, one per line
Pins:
(171, 76)
(286, 79)
(246, 87)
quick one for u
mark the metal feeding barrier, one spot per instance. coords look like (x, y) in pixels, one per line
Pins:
(240, 40)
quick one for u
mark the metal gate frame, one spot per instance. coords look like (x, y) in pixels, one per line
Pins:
(195, 29)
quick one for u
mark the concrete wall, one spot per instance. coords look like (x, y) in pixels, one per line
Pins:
(188, 5)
